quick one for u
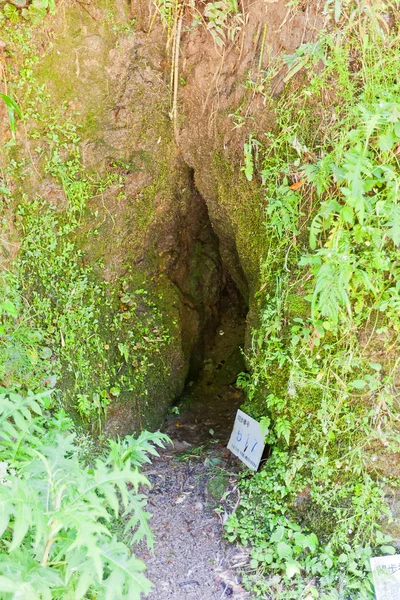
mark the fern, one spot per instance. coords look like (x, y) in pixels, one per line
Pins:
(136, 450)
(331, 291)
(393, 224)
(358, 176)
(315, 230)
(20, 432)
(56, 513)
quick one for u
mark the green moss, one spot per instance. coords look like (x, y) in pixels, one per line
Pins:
(70, 66)
(297, 306)
(216, 486)
(241, 201)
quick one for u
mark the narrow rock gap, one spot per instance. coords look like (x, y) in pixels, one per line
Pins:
(207, 406)
(194, 485)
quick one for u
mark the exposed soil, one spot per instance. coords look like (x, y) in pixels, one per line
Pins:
(191, 559)
(194, 483)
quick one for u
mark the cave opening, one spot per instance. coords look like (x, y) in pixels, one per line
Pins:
(207, 406)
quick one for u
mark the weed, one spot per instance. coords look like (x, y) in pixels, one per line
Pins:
(330, 174)
(55, 537)
(12, 108)
(70, 302)
(34, 13)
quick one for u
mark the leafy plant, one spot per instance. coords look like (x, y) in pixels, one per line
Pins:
(67, 303)
(249, 148)
(328, 308)
(223, 20)
(34, 12)
(12, 108)
(56, 512)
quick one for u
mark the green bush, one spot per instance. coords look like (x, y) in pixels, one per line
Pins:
(323, 370)
(57, 512)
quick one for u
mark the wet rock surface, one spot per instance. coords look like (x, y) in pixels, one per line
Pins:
(209, 402)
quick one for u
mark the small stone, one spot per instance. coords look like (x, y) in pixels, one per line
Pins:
(180, 446)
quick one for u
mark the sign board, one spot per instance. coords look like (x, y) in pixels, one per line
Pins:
(247, 440)
(386, 577)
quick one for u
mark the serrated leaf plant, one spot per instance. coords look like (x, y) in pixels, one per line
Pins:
(57, 512)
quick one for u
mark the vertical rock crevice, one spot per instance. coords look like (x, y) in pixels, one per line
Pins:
(213, 310)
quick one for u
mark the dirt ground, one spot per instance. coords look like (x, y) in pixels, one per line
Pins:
(194, 483)
(191, 560)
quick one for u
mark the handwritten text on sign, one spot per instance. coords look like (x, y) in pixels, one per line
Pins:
(386, 576)
(247, 440)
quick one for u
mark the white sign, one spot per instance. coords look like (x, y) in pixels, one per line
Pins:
(247, 440)
(386, 577)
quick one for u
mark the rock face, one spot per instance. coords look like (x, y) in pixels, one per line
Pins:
(152, 225)
(178, 214)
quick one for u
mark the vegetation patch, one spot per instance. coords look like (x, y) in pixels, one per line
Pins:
(103, 340)
(329, 298)
(71, 509)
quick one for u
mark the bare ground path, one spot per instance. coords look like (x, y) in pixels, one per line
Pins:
(191, 559)
(194, 482)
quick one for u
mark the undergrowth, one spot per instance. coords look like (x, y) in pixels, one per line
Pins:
(57, 537)
(324, 370)
(99, 346)
(324, 367)
(70, 507)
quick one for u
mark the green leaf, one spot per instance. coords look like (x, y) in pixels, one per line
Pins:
(347, 214)
(358, 384)
(394, 224)
(35, 14)
(9, 308)
(253, 563)
(388, 550)
(278, 534)
(11, 13)
(8, 585)
(284, 550)
(139, 521)
(315, 231)
(386, 140)
(375, 366)
(296, 67)
(282, 428)
(268, 558)
(292, 569)
(23, 519)
(248, 160)
(312, 542)
(11, 105)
